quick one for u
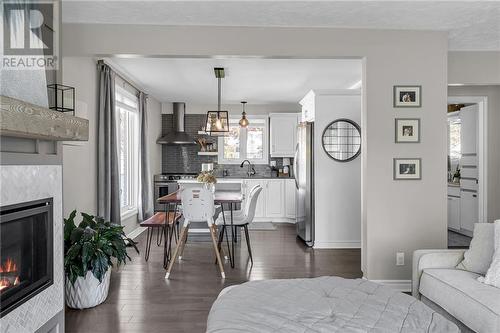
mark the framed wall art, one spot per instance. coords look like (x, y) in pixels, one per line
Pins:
(407, 96)
(407, 130)
(407, 168)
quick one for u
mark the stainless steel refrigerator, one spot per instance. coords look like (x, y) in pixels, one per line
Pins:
(304, 182)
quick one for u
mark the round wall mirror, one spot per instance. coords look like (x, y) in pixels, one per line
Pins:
(342, 140)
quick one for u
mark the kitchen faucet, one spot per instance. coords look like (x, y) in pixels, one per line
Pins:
(251, 170)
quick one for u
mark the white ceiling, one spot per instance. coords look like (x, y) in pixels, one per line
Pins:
(472, 25)
(258, 81)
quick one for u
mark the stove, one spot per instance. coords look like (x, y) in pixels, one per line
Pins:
(174, 176)
(166, 183)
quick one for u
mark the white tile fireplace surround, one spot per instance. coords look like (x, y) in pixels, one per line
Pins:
(21, 183)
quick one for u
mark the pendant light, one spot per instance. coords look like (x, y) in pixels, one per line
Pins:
(244, 121)
(217, 121)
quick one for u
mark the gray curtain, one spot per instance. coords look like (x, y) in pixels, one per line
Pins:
(146, 199)
(108, 181)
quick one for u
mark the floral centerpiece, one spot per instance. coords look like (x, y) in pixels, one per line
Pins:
(208, 179)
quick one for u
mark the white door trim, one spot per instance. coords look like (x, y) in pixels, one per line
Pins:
(482, 102)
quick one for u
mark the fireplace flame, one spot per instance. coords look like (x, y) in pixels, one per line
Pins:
(8, 275)
(8, 266)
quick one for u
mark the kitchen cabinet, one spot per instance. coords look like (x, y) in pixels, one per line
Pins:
(276, 202)
(260, 210)
(290, 193)
(283, 130)
(468, 210)
(469, 129)
(454, 213)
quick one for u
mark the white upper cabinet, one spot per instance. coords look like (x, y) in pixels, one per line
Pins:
(308, 107)
(469, 130)
(283, 134)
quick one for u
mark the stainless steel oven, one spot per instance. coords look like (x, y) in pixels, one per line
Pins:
(165, 184)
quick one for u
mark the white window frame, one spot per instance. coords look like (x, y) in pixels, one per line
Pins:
(233, 120)
(133, 151)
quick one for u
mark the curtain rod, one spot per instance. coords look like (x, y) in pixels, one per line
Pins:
(127, 81)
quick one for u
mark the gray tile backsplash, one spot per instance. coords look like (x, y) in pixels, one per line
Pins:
(185, 158)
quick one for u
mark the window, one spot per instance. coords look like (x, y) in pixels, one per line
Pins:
(454, 128)
(249, 143)
(128, 141)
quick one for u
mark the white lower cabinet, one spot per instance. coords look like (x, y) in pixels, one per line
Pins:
(275, 202)
(468, 210)
(290, 193)
(454, 213)
(260, 210)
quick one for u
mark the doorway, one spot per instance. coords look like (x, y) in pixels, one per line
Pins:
(467, 192)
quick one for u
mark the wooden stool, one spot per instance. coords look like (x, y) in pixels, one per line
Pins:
(156, 221)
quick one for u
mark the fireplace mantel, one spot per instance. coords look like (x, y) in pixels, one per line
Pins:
(26, 120)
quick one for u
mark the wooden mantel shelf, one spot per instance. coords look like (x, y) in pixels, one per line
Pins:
(26, 120)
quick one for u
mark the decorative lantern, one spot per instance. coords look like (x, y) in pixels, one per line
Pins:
(61, 98)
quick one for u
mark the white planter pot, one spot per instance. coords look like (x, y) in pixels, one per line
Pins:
(87, 292)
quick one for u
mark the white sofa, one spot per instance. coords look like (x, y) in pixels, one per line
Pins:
(472, 305)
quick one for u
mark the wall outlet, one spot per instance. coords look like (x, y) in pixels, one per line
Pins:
(400, 259)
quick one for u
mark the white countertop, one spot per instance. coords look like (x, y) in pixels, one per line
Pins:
(219, 180)
(230, 179)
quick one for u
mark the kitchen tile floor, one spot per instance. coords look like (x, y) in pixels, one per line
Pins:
(457, 241)
(141, 300)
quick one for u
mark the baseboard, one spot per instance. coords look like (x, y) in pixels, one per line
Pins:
(274, 220)
(399, 285)
(136, 232)
(336, 245)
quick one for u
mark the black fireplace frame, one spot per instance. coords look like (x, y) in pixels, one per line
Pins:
(13, 212)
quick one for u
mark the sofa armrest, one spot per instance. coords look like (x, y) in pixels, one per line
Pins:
(423, 259)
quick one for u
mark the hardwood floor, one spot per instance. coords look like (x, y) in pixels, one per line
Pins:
(141, 300)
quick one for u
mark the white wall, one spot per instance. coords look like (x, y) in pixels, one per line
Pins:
(493, 94)
(468, 67)
(80, 161)
(251, 109)
(397, 216)
(337, 185)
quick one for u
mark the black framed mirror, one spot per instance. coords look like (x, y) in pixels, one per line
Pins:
(342, 140)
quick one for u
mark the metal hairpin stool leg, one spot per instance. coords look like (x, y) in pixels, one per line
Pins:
(159, 235)
(166, 234)
(149, 238)
(154, 222)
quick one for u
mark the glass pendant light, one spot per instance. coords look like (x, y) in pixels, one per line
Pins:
(217, 122)
(244, 121)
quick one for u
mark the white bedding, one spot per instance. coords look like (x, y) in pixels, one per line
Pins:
(324, 304)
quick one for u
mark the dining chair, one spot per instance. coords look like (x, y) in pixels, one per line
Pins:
(197, 206)
(242, 220)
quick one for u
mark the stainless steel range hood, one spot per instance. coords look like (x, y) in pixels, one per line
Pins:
(177, 136)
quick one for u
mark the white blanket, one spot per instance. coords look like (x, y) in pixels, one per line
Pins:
(324, 304)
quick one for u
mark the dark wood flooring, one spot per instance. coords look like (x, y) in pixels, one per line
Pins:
(141, 300)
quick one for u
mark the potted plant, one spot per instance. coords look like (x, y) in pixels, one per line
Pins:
(89, 248)
(208, 179)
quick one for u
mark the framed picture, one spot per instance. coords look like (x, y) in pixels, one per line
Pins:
(407, 130)
(407, 168)
(407, 96)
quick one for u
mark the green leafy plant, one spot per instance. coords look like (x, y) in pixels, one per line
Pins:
(91, 245)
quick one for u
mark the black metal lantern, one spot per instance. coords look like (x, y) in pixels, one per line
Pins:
(61, 98)
(217, 122)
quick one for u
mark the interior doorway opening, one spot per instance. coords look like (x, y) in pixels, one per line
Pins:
(467, 167)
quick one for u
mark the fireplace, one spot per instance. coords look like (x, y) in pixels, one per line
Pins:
(26, 252)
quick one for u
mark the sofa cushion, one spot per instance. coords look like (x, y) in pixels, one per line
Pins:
(458, 292)
(478, 257)
(493, 275)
